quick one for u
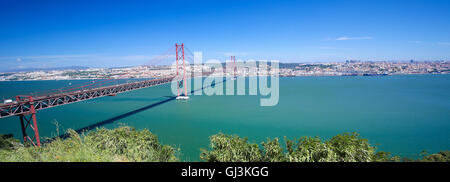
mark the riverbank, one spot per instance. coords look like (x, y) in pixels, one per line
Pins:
(284, 76)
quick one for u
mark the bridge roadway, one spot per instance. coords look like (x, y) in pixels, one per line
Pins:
(23, 106)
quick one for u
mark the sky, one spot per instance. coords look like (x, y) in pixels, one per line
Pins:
(45, 34)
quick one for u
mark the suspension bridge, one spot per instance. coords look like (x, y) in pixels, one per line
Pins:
(26, 106)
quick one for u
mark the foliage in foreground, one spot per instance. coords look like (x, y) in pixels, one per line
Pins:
(442, 156)
(341, 148)
(120, 144)
(128, 144)
(7, 142)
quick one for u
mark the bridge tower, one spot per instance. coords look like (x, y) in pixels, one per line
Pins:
(180, 56)
(233, 58)
(28, 120)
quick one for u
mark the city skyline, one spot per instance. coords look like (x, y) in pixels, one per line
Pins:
(49, 34)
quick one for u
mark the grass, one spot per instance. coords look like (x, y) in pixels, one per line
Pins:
(103, 145)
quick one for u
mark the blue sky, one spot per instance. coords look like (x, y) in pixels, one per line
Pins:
(125, 33)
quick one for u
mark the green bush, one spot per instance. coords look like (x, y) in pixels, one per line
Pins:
(442, 156)
(341, 148)
(308, 149)
(120, 144)
(127, 144)
(351, 148)
(7, 142)
(132, 144)
(273, 152)
(227, 148)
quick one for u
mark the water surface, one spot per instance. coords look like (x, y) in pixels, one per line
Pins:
(403, 114)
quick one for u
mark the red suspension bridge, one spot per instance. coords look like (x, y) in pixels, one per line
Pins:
(26, 106)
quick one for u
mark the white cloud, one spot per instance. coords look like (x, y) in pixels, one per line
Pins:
(327, 47)
(228, 54)
(415, 41)
(46, 57)
(87, 57)
(444, 43)
(94, 60)
(354, 38)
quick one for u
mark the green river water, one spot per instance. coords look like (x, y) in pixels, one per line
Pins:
(401, 114)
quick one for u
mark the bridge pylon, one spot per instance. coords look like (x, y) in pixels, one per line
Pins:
(179, 54)
(28, 120)
(233, 58)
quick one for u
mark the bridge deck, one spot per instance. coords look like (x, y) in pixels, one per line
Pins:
(43, 102)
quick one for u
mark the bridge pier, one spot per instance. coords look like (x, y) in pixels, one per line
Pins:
(29, 120)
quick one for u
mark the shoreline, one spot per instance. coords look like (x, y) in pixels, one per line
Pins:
(283, 76)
